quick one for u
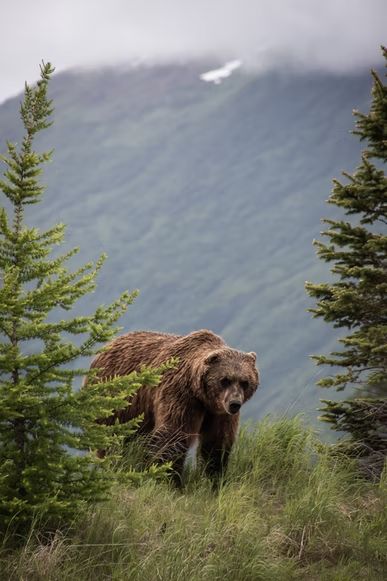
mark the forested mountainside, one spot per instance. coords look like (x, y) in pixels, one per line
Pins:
(206, 197)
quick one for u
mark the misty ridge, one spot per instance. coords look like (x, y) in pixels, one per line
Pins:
(206, 196)
(299, 36)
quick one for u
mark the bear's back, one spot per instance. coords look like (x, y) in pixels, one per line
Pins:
(129, 352)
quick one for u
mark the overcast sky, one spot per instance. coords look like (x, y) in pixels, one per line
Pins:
(335, 35)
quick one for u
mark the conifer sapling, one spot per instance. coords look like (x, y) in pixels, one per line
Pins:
(357, 299)
(43, 419)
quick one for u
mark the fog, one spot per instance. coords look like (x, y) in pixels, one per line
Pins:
(334, 35)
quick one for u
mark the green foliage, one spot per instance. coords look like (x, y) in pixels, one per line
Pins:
(43, 420)
(366, 420)
(299, 514)
(357, 299)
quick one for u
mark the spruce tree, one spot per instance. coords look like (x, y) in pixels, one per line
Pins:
(43, 419)
(357, 298)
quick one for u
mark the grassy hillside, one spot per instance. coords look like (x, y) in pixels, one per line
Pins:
(288, 510)
(207, 199)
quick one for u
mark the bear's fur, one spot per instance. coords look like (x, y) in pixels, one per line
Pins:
(197, 400)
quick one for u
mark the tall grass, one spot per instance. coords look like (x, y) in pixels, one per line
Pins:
(288, 509)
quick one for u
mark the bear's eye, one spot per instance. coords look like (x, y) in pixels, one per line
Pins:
(244, 384)
(225, 382)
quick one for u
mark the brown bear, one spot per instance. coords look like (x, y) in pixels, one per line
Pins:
(197, 401)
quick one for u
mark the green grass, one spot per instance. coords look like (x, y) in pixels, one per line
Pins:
(288, 510)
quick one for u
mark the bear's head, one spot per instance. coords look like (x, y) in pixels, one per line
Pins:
(229, 379)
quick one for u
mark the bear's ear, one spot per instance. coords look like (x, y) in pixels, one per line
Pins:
(253, 355)
(212, 358)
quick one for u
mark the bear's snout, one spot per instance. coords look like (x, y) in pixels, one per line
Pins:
(234, 407)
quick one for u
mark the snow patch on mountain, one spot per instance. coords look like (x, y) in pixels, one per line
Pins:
(216, 76)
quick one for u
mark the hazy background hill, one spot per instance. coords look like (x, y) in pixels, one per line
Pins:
(206, 198)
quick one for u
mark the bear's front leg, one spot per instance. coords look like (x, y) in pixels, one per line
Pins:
(175, 432)
(217, 437)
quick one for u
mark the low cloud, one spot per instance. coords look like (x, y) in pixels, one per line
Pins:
(334, 35)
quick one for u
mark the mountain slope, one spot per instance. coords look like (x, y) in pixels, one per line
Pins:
(206, 198)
